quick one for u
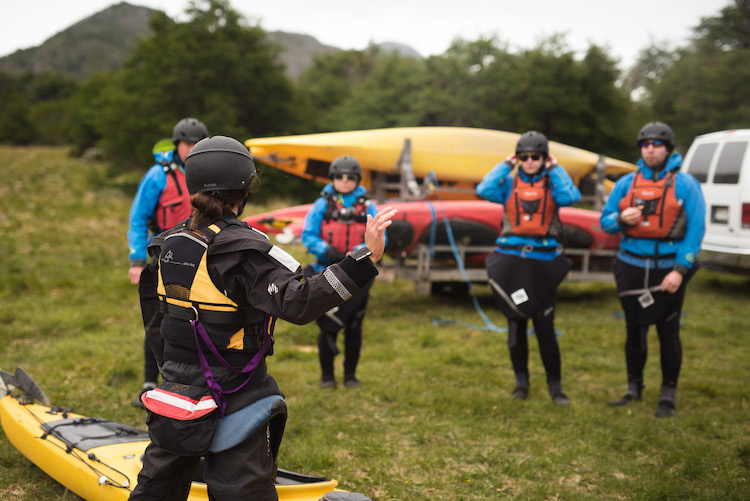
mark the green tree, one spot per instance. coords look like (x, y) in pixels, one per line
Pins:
(459, 83)
(384, 97)
(15, 124)
(328, 83)
(49, 94)
(704, 88)
(729, 30)
(213, 67)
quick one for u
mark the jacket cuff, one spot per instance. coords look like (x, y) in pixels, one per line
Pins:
(138, 262)
(681, 269)
(361, 272)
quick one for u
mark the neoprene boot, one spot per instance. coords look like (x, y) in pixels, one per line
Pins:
(635, 388)
(521, 392)
(666, 407)
(555, 391)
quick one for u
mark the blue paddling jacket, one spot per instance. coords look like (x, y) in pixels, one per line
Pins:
(660, 253)
(497, 186)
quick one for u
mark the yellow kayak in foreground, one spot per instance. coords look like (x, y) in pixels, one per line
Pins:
(99, 459)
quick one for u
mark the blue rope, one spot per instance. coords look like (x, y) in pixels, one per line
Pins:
(433, 230)
(449, 232)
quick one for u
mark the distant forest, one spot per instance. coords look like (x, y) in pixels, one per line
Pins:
(136, 80)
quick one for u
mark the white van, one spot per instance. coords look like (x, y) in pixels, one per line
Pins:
(720, 161)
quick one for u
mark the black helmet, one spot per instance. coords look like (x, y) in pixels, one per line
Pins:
(190, 130)
(657, 130)
(532, 142)
(345, 165)
(218, 163)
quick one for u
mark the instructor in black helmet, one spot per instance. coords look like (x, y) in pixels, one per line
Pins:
(210, 296)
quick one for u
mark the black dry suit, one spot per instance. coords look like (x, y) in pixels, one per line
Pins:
(235, 281)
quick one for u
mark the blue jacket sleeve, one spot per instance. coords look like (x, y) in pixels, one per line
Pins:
(689, 190)
(564, 192)
(311, 231)
(149, 191)
(496, 184)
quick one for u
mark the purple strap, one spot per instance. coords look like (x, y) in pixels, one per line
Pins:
(216, 390)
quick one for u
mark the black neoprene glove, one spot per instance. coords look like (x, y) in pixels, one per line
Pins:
(333, 255)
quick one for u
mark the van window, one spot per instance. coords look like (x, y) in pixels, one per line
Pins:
(701, 161)
(730, 163)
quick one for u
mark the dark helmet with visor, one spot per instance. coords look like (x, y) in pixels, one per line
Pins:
(218, 163)
(532, 142)
(190, 130)
(657, 131)
(345, 165)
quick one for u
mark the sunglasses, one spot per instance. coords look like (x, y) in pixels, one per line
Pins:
(346, 177)
(652, 142)
(535, 156)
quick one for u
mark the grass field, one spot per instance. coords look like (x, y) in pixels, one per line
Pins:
(433, 419)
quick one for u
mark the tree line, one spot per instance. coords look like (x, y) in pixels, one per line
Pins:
(216, 67)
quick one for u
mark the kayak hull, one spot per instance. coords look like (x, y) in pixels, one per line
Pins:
(108, 472)
(459, 156)
(472, 223)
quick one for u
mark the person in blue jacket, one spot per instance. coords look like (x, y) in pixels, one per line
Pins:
(527, 265)
(162, 201)
(334, 226)
(661, 213)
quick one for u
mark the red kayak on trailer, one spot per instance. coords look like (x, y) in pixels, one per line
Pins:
(472, 223)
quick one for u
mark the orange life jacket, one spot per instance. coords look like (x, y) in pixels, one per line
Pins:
(530, 210)
(344, 227)
(663, 215)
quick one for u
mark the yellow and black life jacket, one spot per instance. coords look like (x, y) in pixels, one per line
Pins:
(663, 217)
(187, 292)
(530, 210)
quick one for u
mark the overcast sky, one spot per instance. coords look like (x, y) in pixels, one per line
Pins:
(624, 27)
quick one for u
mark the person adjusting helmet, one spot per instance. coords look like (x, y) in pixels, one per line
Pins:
(161, 202)
(210, 297)
(532, 142)
(189, 130)
(661, 213)
(527, 266)
(334, 227)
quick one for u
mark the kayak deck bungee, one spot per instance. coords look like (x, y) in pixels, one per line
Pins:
(99, 459)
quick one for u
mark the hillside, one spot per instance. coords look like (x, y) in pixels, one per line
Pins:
(98, 43)
(103, 41)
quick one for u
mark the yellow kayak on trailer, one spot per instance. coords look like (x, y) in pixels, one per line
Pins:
(459, 156)
(99, 459)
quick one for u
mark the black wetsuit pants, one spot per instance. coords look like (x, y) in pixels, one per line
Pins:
(544, 329)
(664, 313)
(349, 317)
(246, 471)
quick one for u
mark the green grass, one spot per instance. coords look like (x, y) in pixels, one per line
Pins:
(433, 419)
